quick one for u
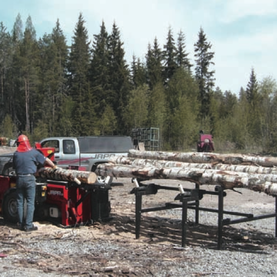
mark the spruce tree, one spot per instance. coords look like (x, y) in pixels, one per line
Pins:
(5, 66)
(138, 71)
(182, 59)
(54, 55)
(28, 63)
(170, 57)
(119, 78)
(154, 60)
(99, 74)
(254, 102)
(203, 74)
(79, 60)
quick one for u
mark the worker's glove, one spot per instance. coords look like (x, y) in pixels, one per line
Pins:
(55, 168)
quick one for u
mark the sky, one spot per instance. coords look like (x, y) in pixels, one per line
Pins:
(243, 33)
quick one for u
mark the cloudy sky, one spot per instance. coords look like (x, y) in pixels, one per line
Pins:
(243, 33)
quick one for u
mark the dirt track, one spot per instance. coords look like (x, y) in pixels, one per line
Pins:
(110, 248)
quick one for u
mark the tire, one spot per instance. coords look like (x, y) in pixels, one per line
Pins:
(10, 207)
(104, 180)
(9, 170)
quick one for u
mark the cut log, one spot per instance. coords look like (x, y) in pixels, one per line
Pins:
(68, 175)
(163, 163)
(204, 157)
(227, 180)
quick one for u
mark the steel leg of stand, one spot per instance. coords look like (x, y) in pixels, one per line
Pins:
(197, 207)
(275, 216)
(220, 217)
(138, 213)
(184, 222)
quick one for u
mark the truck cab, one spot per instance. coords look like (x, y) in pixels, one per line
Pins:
(85, 153)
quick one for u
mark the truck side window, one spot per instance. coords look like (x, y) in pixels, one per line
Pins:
(68, 147)
(52, 143)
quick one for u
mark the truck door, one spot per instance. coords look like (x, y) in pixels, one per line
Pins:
(65, 151)
(69, 154)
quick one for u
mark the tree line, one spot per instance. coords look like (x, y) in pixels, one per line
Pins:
(48, 88)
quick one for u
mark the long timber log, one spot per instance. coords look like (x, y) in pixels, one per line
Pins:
(252, 169)
(68, 175)
(227, 180)
(204, 157)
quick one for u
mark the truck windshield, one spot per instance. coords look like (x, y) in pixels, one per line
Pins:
(110, 144)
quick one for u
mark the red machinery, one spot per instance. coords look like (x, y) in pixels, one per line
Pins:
(63, 203)
(205, 143)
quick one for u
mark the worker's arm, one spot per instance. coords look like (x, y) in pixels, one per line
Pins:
(50, 163)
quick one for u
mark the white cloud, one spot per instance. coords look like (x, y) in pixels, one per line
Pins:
(236, 9)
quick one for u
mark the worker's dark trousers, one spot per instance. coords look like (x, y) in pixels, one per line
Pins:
(26, 189)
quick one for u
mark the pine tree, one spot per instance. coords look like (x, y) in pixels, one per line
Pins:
(154, 60)
(138, 71)
(203, 74)
(79, 60)
(252, 88)
(15, 99)
(5, 66)
(54, 55)
(254, 100)
(182, 59)
(119, 78)
(99, 74)
(169, 56)
(29, 71)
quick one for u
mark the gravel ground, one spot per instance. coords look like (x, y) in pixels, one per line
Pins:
(110, 248)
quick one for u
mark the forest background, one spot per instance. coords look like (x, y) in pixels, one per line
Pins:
(48, 88)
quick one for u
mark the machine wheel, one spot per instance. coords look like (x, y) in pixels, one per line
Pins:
(10, 207)
(8, 170)
(101, 179)
(104, 180)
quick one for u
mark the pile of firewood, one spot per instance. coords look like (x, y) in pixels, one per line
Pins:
(229, 171)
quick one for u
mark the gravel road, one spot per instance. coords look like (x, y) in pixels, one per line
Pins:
(110, 248)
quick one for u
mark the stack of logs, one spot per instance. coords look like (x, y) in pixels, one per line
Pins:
(229, 171)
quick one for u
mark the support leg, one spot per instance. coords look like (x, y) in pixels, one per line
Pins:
(184, 222)
(220, 217)
(197, 207)
(138, 213)
(275, 216)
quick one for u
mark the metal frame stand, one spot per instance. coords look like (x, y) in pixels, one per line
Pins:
(190, 199)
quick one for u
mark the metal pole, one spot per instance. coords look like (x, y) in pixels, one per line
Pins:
(184, 221)
(138, 213)
(197, 206)
(220, 217)
(275, 216)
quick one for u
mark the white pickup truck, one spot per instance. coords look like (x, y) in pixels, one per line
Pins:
(85, 153)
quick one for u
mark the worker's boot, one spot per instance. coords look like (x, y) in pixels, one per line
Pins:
(32, 228)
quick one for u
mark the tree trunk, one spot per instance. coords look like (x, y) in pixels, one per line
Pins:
(204, 157)
(68, 175)
(163, 163)
(228, 180)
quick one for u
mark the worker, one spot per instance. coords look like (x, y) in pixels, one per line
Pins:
(25, 162)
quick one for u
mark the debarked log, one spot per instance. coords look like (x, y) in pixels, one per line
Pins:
(227, 180)
(204, 157)
(68, 175)
(252, 169)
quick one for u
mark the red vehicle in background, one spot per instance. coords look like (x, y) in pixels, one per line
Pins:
(205, 143)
